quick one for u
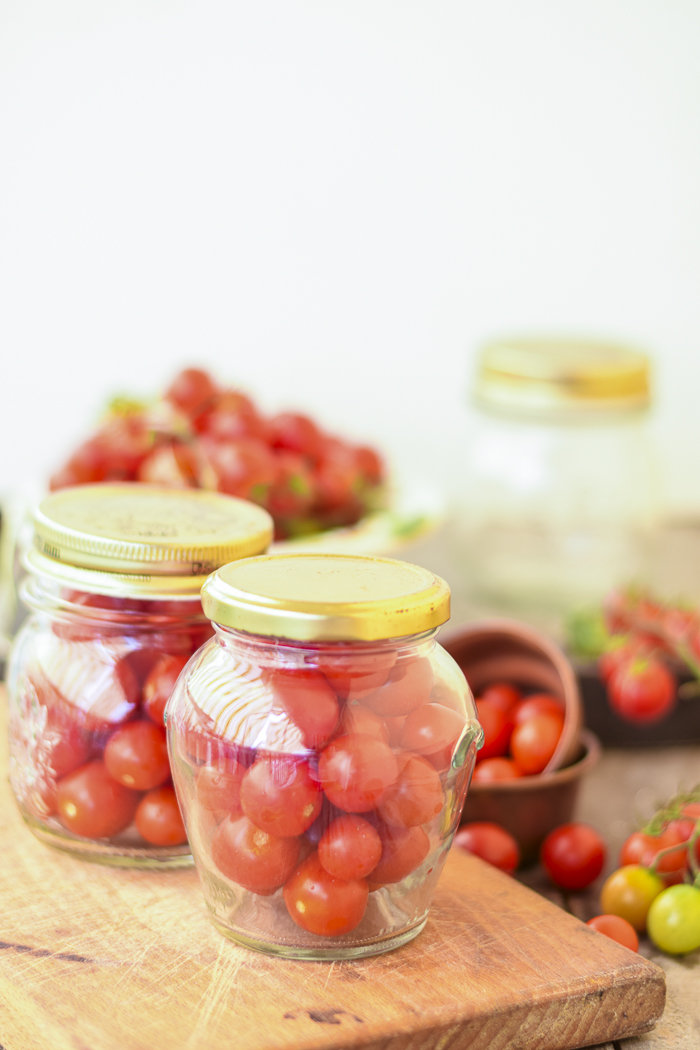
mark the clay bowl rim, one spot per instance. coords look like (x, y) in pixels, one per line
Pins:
(572, 731)
(584, 764)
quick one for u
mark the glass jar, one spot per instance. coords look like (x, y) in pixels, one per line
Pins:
(557, 498)
(321, 746)
(113, 587)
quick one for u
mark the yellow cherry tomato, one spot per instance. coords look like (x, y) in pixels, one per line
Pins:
(673, 922)
(629, 892)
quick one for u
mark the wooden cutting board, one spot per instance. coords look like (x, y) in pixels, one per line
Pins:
(95, 958)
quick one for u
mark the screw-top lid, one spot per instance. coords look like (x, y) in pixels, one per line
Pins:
(549, 376)
(326, 597)
(136, 532)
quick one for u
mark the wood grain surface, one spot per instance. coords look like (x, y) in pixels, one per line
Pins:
(95, 958)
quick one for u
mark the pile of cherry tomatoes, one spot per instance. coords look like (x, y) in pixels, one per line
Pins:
(359, 809)
(96, 692)
(520, 733)
(201, 435)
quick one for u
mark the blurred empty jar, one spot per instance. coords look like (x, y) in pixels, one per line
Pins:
(556, 499)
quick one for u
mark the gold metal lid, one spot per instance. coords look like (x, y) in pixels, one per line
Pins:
(326, 597)
(561, 376)
(143, 535)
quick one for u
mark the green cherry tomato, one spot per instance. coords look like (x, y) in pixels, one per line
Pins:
(629, 892)
(673, 922)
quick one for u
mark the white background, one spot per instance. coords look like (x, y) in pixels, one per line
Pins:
(332, 202)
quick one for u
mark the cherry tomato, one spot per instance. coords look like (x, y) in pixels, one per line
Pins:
(350, 848)
(432, 731)
(292, 492)
(673, 922)
(638, 848)
(370, 464)
(403, 850)
(158, 818)
(502, 694)
(617, 929)
(220, 791)
(65, 744)
(623, 650)
(643, 690)
(309, 701)
(92, 804)
(493, 770)
(355, 771)
(190, 389)
(244, 468)
(160, 683)
(407, 687)
(360, 720)
(136, 756)
(354, 674)
(255, 860)
(538, 704)
(573, 856)
(497, 727)
(279, 796)
(491, 842)
(416, 795)
(534, 742)
(322, 904)
(230, 415)
(628, 892)
(297, 433)
(174, 465)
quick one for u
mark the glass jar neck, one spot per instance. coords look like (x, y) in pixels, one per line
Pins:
(47, 596)
(261, 647)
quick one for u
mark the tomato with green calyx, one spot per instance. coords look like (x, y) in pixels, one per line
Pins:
(673, 922)
(629, 892)
(642, 690)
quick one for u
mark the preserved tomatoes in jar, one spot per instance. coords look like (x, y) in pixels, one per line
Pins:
(113, 583)
(321, 746)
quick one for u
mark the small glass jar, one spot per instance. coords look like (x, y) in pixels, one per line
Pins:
(322, 745)
(113, 587)
(555, 497)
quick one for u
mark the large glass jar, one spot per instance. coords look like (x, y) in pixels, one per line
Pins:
(555, 495)
(321, 746)
(113, 587)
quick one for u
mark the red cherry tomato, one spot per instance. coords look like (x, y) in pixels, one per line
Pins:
(350, 848)
(643, 690)
(502, 694)
(220, 791)
(415, 797)
(158, 818)
(230, 415)
(497, 727)
(493, 770)
(190, 389)
(639, 848)
(309, 701)
(355, 771)
(491, 842)
(432, 731)
(357, 719)
(292, 492)
(403, 850)
(296, 433)
(136, 756)
(354, 674)
(538, 704)
(370, 464)
(65, 744)
(279, 796)
(617, 929)
(322, 904)
(534, 742)
(573, 856)
(160, 683)
(92, 804)
(250, 857)
(407, 687)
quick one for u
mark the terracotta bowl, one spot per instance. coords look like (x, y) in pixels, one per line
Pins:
(506, 650)
(530, 807)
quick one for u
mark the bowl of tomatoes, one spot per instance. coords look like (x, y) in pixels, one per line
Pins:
(535, 747)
